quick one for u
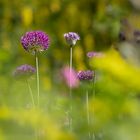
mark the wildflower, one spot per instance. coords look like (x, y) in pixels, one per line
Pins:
(35, 41)
(70, 81)
(85, 75)
(71, 38)
(24, 71)
(94, 54)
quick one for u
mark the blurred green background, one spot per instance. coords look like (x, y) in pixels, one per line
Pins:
(115, 109)
(97, 23)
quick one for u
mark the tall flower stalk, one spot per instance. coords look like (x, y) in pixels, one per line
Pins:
(70, 72)
(24, 72)
(71, 38)
(35, 42)
(93, 55)
(37, 78)
(86, 77)
(31, 93)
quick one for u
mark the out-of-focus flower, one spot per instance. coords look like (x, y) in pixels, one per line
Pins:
(35, 41)
(94, 54)
(70, 79)
(129, 47)
(87, 75)
(71, 38)
(137, 36)
(122, 36)
(24, 71)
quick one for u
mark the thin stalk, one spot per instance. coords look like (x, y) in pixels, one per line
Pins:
(94, 94)
(94, 84)
(70, 71)
(31, 93)
(33, 102)
(70, 118)
(37, 78)
(88, 116)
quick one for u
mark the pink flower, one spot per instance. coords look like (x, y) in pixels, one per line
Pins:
(70, 78)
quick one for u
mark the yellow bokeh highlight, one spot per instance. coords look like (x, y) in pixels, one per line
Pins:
(55, 6)
(36, 119)
(27, 15)
(116, 66)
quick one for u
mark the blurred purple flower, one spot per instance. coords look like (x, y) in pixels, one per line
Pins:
(72, 81)
(94, 54)
(35, 41)
(71, 38)
(122, 36)
(24, 71)
(85, 75)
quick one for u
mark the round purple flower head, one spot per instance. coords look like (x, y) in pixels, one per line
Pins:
(71, 38)
(85, 75)
(35, 41)
(24, 71)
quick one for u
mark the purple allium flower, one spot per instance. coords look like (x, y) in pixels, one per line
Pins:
(94, 54)
(85, 75)
(71, 38)
(66, 75)
(35, 41)
(24, 71)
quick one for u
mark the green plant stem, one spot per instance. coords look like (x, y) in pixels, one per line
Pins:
(37, 79)
(70, 71)
(87, 109)
(94, 84)
(31, 93)
(94, 94)
(70, 117)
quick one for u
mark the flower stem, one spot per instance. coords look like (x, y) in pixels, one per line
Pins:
(31, 93)
(94, 84)
(94, 94)
(88, 116)
(70, 117)
(70, 71)
(37, 78)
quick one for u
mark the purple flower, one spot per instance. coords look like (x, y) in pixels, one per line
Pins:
(35, 41)
(85, 75)
(71, 38)
(94, 54)
(24, 71)
(70, 81)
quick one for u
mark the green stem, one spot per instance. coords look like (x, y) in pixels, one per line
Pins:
(70, 71)
(94, 94)
(37, 78)
(88, 116)
(94, 84)
(70, 118)
(31, 93)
